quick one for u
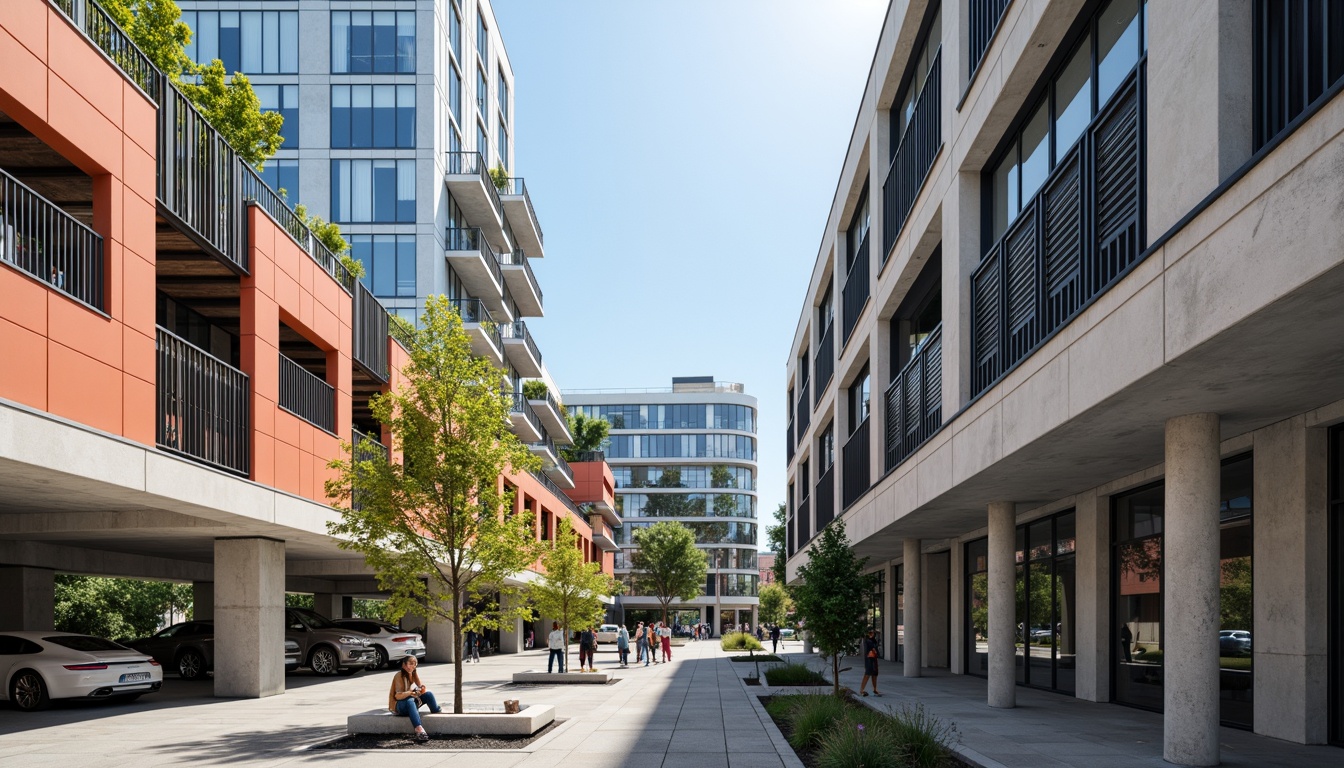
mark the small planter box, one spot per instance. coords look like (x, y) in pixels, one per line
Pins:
(537, 677)
(526, 722)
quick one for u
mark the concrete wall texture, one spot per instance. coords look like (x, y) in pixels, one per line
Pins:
(1223, 338)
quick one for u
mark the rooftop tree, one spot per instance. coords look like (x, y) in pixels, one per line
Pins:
(437, 528)
(667, 564)
(832, 594)
(572, 590)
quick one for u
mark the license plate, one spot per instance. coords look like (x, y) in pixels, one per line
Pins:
(134, 677)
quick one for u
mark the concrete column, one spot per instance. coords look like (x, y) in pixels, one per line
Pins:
(961, 255)
(511, 634)
(249, 617)
(1002, 604)
(203, 600)
(1097, 634)
(914, 607)
(327, 604)
(441, 643)
(889, 613)
(1291, 599)
(1190, 591)
(27, 598)
(956, 603)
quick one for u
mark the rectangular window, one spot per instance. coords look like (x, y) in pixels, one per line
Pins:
(285, 100)
(482, 141)
(366, 42)
(373, 191)
(389, 263)
(503, 97)
(282, 176)
(482, 38)
(455, 32)
(252, 42)
(482, 92)
(858, 400)
(380, 116)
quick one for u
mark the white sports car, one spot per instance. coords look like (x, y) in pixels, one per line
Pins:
(37, 667)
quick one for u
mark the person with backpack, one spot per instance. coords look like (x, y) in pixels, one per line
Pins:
(623, 646)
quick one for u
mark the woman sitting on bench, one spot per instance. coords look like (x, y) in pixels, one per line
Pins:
(408, 693)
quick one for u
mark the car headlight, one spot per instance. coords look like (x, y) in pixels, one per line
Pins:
(348, 640)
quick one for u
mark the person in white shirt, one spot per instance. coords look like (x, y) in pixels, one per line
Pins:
(665, 633)
(556, 642)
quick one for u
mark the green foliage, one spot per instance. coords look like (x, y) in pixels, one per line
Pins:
(500, 177)
(843, 734)
(793, 674)
(329, 234)
(775, 535)
(832, 596)
(857, 740)
(233, 108)
(775, 604)
(811, 716)
(535, 389)
(118, 608)
(667, 564)
(922, 740)
(437, 529)
(156, 27)
(571, 590)
(739, 641)
(589, 434)
(299, 600)
(368, 609)
(1234, 592)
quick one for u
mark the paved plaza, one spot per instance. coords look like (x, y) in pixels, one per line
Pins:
(694, 711)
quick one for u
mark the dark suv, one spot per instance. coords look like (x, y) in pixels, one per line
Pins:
(326, 648)
(189, 649)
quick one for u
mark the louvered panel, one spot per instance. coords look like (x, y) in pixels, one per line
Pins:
(1020, 274)
(985, 322)
(933, 383)
(1116, 142)
(914, 378)
(894, 426)
(1062, 243)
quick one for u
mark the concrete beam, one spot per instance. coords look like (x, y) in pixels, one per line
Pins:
(27, 598)
(96, 562)
(158, 520)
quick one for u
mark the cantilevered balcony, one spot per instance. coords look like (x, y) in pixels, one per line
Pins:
(522, 217)
(526, 425)
(469, 181)
(602, 534)
(594, 485)
(476, 264)
(521, 349)
(552, 463)
(522, 283)
(483, 330)
(553, 418)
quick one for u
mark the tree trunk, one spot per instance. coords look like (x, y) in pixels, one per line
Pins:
(835, 673)
(565, 627)
(457, 656)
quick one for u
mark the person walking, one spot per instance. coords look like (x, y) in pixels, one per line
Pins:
(556, 643)
(623, 646)
(473, 646)
(641, 645)
(653, 641)
(665, 634)
(587, 645)
(774, 639)
(869, 651)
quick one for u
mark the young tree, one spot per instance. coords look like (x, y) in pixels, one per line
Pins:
(572, 590)
(590, 434)
(157, 29)
(832, 596)
(437, 528)
(775, 604)
(667, 564)
(774, 534)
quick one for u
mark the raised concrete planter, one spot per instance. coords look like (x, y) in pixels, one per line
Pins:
(534, 677)
(528, 721)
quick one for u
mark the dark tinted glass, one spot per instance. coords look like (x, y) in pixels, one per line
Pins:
(85, 643)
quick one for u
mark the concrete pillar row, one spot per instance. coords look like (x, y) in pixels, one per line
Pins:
(1190, 591)
(249, 617)
(203, 600)
(914, 607)
(441, 644)
(27, 598)
(1002, 604)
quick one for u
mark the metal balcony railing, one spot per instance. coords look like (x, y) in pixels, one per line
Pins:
(518, 404)
(789, 444)
(257, 191)
(548, 445)
(825, 498)
(913, 158)
(1298, 60)
(39, 238)
(804, 410)
(370, 333)
(516, 258)
(804, 521)
(367, 451)
(560, 496)
(1082, 231)
(982, 21)
(472, 239)
(825, 362)
(856, 472)
(855, 294)
(307, 396)
(104, 33)
(581, 457)
(474, 311)
(203, 406)
(914, 401)
(518, 330)
(473, 164)
(516, 187)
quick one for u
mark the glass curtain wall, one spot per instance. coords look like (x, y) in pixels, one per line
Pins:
(899, 597)
(977, 608)
(876, 599)
(1137, 597)
(1046, 591)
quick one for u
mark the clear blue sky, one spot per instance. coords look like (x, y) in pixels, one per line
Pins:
(682, 156)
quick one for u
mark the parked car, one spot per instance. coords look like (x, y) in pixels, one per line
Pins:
(391, 644)
(37, 667)
(293, 655)
(326, 648)
(606, 633)
(189, 649)
(1234, 642)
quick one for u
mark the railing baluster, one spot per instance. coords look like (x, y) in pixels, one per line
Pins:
(203, 405)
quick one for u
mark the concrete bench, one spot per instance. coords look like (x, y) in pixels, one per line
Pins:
(537, 677)
(528, 721)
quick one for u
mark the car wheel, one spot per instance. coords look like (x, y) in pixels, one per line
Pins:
(348, 671)
(29, 692)
(380, 660)
(191, 665)
(323, 661)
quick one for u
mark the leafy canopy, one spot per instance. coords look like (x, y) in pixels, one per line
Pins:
(832, 596)
(571, 590)
(117, 608)
(774, 534)
(590, 434)
(667, 564)
(775, 604)
(438, 528)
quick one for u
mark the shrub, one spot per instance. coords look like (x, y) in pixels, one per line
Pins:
(739, 641)
(781, 707)
(862, 739)
(534, 389)
(811, 717)
(793, 674)
(921, 739)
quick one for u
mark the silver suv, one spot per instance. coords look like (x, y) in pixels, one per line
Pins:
(326, 648)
